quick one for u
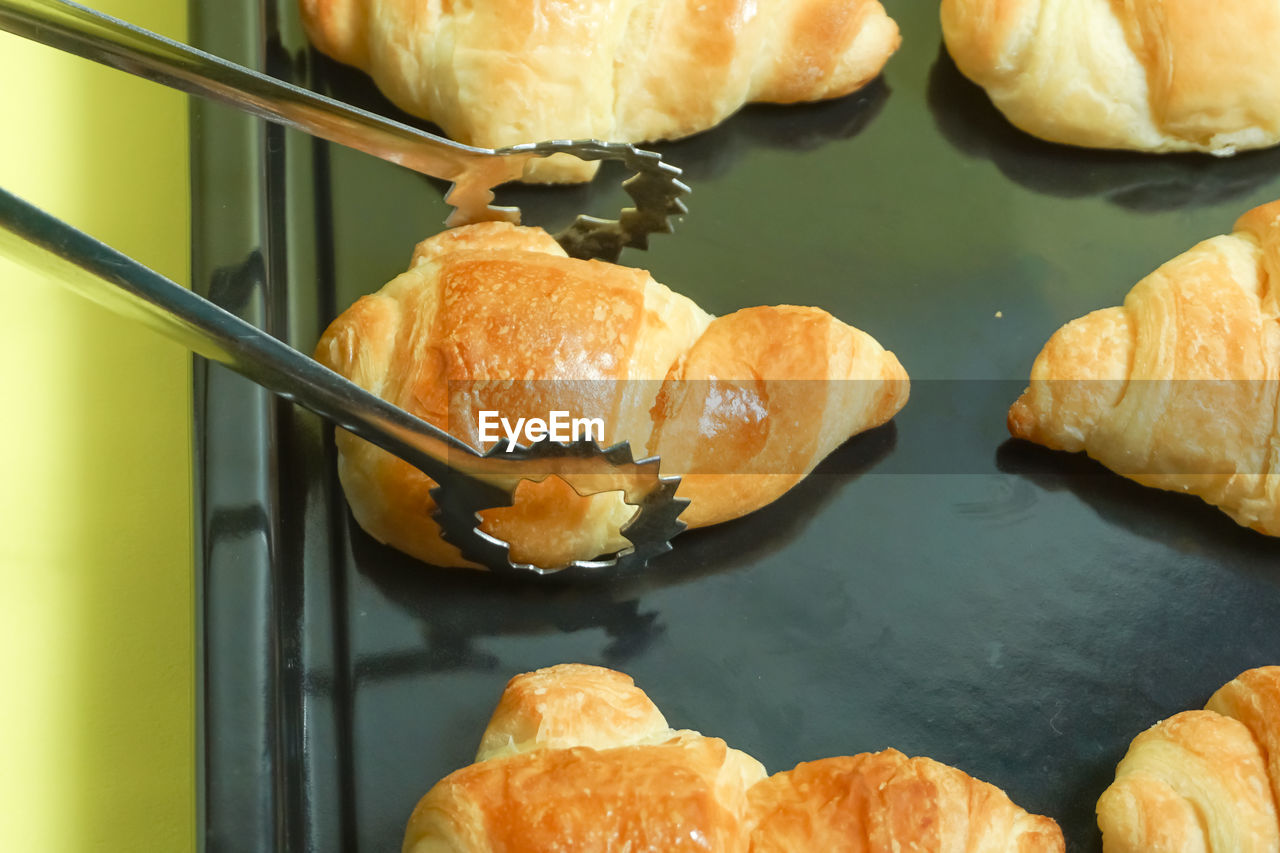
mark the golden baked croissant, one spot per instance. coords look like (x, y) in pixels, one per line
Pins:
(1149, 75)
(500, 72)
(494, 317)
(1202, 780)
(1177, 388)
(578, 758)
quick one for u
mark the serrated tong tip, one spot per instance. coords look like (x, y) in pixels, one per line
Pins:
(649, 530)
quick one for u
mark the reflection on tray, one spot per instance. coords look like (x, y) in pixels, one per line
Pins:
(710, 154)
(750, 539)
(1135, 181)
(1150, 513)
(706, 155)
(455, 607)
(796, 127)
(236, 288)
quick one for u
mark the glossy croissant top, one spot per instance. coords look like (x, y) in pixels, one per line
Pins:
(493, 318)
(500, 72)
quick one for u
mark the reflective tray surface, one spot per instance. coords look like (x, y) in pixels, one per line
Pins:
(934, 586)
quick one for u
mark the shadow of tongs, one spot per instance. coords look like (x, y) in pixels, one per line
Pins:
(655, 186)
(468, 481)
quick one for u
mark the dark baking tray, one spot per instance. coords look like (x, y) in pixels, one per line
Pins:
(934, 587)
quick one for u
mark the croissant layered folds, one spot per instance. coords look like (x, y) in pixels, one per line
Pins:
(578, 758)
(1177, 388)
(494, 317)
(500, 72)
(1202, 780)
(1148, 75)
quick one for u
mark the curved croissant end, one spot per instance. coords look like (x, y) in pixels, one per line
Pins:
(500, 72)
(1253, 698)
(1178, 388)
(1148, 75)
(887, 801)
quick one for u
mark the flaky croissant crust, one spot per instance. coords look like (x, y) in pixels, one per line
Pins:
(493, 317)
(1177, 388)
(578, 758)
(1149, 75)
(1202, 780)
(501, 72)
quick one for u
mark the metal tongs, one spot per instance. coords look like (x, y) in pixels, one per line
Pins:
(474, 172)
(467, 481)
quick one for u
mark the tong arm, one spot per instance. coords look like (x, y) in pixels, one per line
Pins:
(90, 34)
(98, 272)
(468, 482)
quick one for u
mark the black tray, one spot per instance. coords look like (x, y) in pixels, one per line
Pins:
(935, 587)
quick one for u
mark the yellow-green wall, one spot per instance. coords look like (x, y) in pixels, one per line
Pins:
(96, 600)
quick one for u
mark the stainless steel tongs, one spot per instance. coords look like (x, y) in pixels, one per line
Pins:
(474, 172)
(468, 481)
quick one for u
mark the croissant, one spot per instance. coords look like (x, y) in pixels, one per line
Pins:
(578, 758)
(500, 72)
(494, 318)
(1147, 75)
(1177, 388)
(1202, 780)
